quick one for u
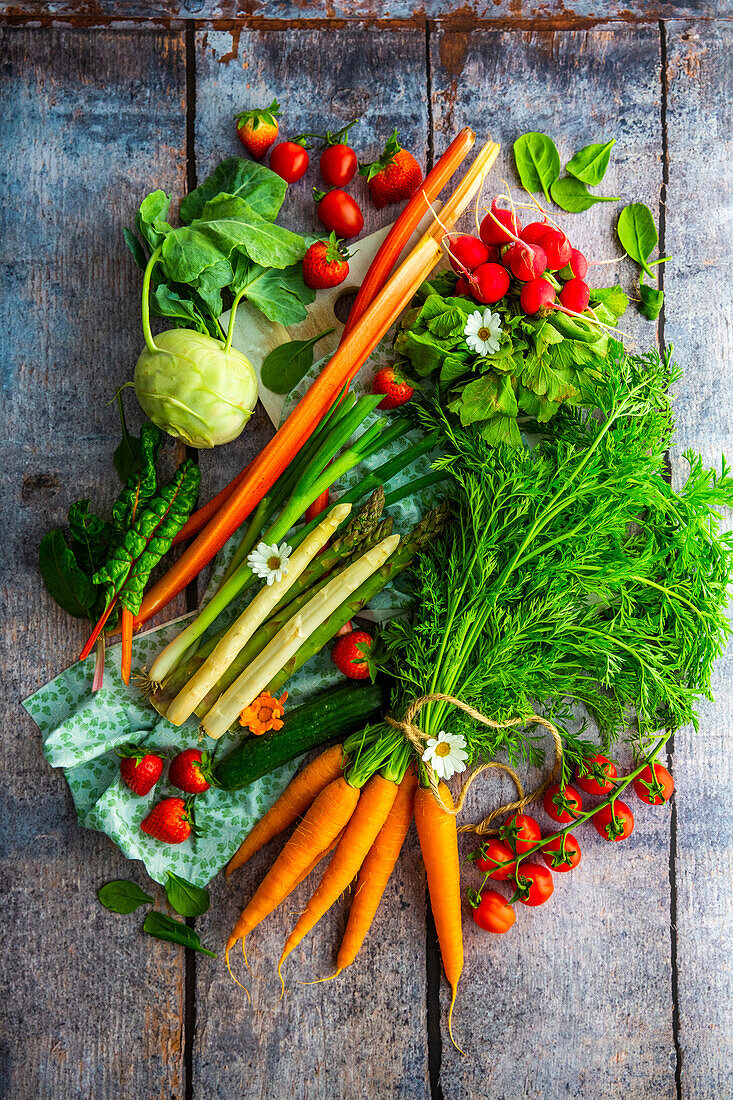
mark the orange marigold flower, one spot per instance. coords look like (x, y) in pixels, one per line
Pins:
(264, 714)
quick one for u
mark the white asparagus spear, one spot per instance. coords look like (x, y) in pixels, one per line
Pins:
(257, 612)
(278, 652)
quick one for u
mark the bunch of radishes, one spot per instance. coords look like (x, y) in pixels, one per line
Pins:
(539, 257)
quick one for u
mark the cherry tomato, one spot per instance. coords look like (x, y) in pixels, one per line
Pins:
(289, 160)
(492, 853)
(562, 805)
(589, 775)
(338, 165)
(340, 214)
(535, 883)
(494, 913)
(520, 832)
(654, 789)
(614, 822)
(558, 859)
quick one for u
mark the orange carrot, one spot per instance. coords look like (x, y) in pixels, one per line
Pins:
(438, 837)
(376, 869)
(198, 519)
(126, 624)
(292, 803)
(326, 818)
(369, 816)
(407, 223)
(321, 855)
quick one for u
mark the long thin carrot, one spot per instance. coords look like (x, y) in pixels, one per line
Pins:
(438, 837)
(407, 223)
(328, 815)
(198, 519)
(292, 804)
(126, 647)
(321, 855)
(368, 818)
(375, 871)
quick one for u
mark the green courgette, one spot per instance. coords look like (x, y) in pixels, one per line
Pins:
(330, 716)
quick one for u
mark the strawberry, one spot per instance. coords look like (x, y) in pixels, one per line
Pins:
(168, 821)
(189, 771)
(391, 383)
(325, 264)
(257, 129)
(140, 770)
(351, 654)
(394, 177)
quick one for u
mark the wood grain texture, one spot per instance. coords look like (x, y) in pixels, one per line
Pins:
(94, 120)
(363, 1035)
(578, 995)
(699, 220)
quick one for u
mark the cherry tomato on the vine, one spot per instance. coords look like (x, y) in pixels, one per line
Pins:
(559, 857)
(614, 822)
(654, 789)
(338, 165)
(521, 832)
(339, 213)
(534, 884)
(562, 804)
(494, 913)
(590, 775)
(493, 852)
(289, 160)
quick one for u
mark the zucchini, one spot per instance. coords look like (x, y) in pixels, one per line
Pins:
(330, 716)
(574, 329)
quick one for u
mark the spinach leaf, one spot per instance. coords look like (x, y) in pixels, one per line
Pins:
(186, 899)
(67, 584)
(280, 294)
(652, 301)
(262, 188)
(150, 219)
(165, 928)
(122, 896)
(572, 195)
(285, 366)
(637, 233)
(138, 252)
(589, 164)
(538, 162)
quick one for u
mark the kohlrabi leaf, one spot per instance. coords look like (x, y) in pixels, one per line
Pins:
(280, 294)
(262, 189)
(150, 219)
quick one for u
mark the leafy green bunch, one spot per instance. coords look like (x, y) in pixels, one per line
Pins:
(228, 243)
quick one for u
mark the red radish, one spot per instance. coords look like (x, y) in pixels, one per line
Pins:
(463, 289)
(557, 248)
(491, 233)
(534, 232)
(489, 283)
(575, 295)
(526, 261)
(467, 253)
(576, 268)
(537, 294)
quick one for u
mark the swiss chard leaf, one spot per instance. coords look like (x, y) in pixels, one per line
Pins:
(286, 365)
(280, 294)
(165, 928)
(589, 164)
(572, 195)
(141, 483)
(150, 220)
(122, 896)
(260, 187)
(637, 233)
(538, 162)
(186, 899)
(127, 455)
(67, 584)
(91, 536)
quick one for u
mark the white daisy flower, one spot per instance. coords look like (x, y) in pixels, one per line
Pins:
(270, 562)
(447, 753)
(483, 332)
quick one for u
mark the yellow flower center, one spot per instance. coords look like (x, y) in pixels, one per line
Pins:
(483, 334)
(442, 748)
(274, 562)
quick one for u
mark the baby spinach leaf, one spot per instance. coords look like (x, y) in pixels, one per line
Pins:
(165, 928)
(637, 233)
(150, 219)
(286, 365)
(122, 896)
(67, 584)
(589, 164)
(186, 899)
(572, 195)
(538, 162)
(280, 294)
(138, 252)
(262, 189)
(652, 301)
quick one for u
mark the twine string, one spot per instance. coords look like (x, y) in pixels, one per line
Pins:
(408, 727)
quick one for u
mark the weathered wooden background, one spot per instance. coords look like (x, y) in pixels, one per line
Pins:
(622, 986)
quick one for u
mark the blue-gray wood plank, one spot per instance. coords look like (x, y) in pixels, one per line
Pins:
(597, 994)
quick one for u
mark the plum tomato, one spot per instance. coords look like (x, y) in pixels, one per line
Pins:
(338, 165)
(340, 213)
(289, 160)
(534, 884)
(520, 832)
(562, 805)
(656, 788)
(562, 858)
(494, 853)
(614, 822)
(494, 913)
(591, 775)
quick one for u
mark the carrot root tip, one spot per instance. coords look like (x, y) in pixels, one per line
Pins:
(454, 990)
(328, 978)
(235, 979)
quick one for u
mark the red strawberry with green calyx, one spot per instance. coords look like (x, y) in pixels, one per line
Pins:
(140, 770)
(351, 654)
(325, 264)
(394, 177)
(190, 771)
(257, 129)
(390, 382)
(168, 821)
